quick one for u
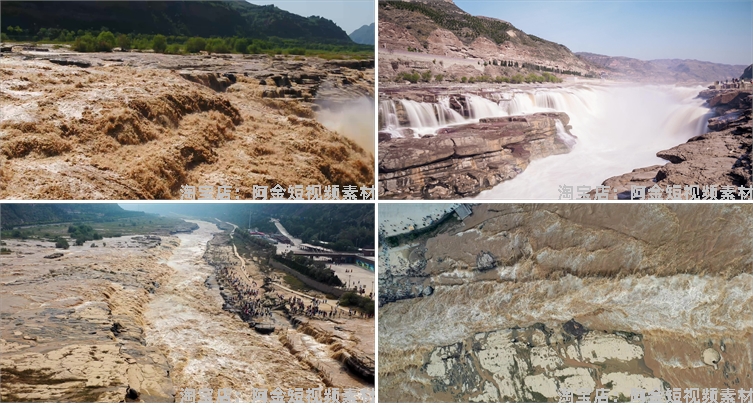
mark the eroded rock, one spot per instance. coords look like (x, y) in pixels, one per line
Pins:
(463, 160)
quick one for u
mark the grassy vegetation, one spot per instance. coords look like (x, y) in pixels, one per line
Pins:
(106, 41)
(353, 300)
(13, 215)
(61, 243)
(103, 229)
(310, 268)
(295, 283)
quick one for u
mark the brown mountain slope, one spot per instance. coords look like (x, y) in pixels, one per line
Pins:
(443, 29)
(663, 70)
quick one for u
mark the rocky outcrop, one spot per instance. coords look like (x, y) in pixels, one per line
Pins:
(457, 44)
(71, 62)
(214, 81)
(530, 364)
(721, 157)
(462, 161)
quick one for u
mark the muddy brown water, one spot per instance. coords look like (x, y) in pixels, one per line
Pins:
(211, 348)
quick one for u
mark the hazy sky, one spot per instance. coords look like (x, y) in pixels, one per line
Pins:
(350, 15)
(715, 31)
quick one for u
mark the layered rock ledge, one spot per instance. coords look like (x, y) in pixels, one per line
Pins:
(721, 157)
(461, 161)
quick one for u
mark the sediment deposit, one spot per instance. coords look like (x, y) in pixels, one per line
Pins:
(517, 301)
(133, 125)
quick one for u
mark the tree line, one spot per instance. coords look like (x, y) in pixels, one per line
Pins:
(105, 41)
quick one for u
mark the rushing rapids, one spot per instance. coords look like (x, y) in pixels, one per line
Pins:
(618, 128)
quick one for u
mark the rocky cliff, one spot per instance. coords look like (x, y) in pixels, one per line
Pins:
(721, 157)
(463, 160)
(517, 301)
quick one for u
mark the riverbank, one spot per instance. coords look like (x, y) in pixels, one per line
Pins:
(207, 346)
(331, 349)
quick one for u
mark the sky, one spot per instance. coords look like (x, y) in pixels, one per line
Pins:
(714, 31)
(350, 15)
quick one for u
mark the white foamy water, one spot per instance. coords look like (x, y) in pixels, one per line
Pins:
(679, 304)
(618, 128)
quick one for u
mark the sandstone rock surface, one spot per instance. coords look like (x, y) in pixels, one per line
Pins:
(463, 160)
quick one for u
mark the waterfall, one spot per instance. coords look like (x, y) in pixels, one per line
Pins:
(450, 116)
(618, 127)
(480, 107)
(389, 114)
(562, 134)
(420, 115)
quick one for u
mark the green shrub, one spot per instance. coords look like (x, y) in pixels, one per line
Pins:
(411, 77)
(195, 45)
(159, 43)
(463, 79)
(426, 76)
(217, 45)
(241, 45)
(124, 43)
(310, 268)
(438, 78)
(253, 49)
(351, 299)
(85, 43)
(173, 49)
(61, 243)
(105, 41)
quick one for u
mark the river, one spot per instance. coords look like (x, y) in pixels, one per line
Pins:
(208, 347)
